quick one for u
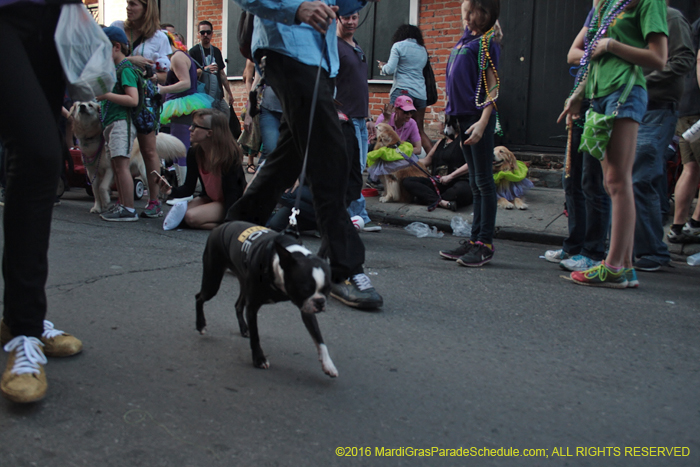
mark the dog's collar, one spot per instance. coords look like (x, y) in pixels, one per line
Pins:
(95, 157)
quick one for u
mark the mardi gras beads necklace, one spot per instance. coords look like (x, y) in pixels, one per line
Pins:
(607, 13)
(485, 61)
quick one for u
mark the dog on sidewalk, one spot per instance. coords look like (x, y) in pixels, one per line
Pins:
(270, 267)
(393, 186)
(87, 127)
(511, 179)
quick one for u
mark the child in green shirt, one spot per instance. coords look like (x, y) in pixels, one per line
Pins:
(119, 132)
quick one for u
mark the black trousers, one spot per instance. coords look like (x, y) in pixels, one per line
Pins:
(327, 169)
(31, 92)
(424, 191)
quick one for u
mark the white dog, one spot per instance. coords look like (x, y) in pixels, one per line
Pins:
(87, 127)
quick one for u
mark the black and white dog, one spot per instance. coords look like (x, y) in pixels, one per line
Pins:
(271, 267)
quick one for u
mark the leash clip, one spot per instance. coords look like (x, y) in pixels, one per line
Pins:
(293, 217)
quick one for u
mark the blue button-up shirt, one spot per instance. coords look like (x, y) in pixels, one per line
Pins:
(276, 29)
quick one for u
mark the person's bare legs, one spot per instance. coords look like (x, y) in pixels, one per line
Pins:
(125, 184)
(419, 117)
(147, 143)
(617, 172)
(684, 194)
(203, 213)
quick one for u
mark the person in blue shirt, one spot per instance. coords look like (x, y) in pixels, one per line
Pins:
(294, 37)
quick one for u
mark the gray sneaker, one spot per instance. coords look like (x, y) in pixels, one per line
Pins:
(119, 213)
(357, 292)
(372, 227)
(578, 263)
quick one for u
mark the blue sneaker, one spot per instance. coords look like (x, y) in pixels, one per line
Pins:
(631, 276)
(578, 263)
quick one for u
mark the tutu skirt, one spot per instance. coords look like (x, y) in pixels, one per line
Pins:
(512, 190)
(184, 106)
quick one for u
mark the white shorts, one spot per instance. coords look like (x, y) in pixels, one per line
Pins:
(118, 139)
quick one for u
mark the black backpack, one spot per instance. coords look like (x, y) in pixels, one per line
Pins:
(146, 115)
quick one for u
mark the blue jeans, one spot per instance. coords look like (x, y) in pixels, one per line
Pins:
(479, 156)
(597, 209)
(359, 206)
(269, 131)
(655, 133)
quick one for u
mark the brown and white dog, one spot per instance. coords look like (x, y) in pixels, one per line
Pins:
(504, 161)
(87, 127)
(393, 188)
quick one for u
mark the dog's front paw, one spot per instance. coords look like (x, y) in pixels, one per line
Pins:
(520, 204)
(261, 362)
(384, 199)
(330, 370)
(94, 210)
(505, 204)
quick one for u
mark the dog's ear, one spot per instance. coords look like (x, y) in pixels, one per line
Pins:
(286, 258)
(510, 157)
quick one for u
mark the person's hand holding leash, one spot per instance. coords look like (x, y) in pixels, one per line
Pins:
(316, 14)
(141, 62)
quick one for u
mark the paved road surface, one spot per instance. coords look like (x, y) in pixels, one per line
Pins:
(509, 355)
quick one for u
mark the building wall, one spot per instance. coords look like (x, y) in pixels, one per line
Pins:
(440, 22)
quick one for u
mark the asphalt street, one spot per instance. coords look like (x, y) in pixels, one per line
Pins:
(505, 356)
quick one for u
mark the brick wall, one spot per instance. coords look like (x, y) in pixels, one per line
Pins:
(440, 22)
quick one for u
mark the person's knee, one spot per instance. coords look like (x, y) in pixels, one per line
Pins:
(616, 184)
(692, 169)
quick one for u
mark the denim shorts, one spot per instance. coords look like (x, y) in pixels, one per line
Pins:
(417, 103)
(634, 107)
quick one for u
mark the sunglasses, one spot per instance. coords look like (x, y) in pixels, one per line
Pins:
(195, 126)
(206, 32)
(360, 53)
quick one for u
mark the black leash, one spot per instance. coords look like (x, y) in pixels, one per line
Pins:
(293, 228)
(422, 169)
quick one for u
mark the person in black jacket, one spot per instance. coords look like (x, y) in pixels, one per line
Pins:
(446, 162)
(215, 160)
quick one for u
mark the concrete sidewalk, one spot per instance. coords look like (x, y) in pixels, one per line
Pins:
(543, 222)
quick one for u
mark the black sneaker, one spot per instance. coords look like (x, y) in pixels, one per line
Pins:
(376, 184)
(678, 237)
(477, 256)
(357, 292)
(646, 264)
(465, 246)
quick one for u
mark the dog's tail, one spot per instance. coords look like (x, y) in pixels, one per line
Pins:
(168, 147)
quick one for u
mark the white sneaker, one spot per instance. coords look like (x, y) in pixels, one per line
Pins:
(555, 256)
(372, 227)
(174, 201)
(578, 263)
(690, 230)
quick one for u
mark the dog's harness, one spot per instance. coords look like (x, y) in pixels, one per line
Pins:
(432, 179)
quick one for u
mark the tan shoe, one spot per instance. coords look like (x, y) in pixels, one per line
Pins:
(56, 343)
(24, 379)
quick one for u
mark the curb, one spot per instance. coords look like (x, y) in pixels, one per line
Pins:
(501, 233)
